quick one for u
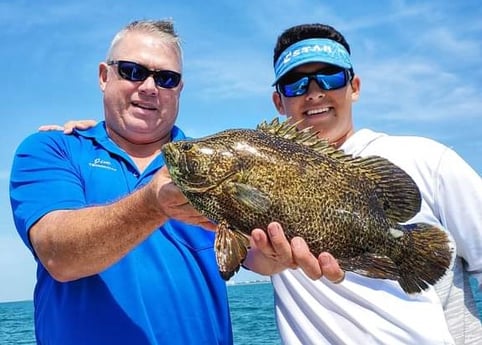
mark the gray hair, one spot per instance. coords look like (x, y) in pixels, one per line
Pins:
(163, 28)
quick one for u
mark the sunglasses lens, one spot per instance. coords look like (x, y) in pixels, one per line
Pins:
(297, 84)
(331, 81)
(167, 79)
(296, 88)
(132, 71)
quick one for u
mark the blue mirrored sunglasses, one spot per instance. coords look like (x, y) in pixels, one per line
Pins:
(296, 84)
(132, 71)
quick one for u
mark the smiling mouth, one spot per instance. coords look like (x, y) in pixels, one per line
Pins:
(144, 106)
(319, 111)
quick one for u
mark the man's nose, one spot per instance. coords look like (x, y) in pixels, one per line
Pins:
(314, 90)
(149, 86)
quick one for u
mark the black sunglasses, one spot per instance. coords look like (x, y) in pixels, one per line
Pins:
(132, 71)
(296, 84)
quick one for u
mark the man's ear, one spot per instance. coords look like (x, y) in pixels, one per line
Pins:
(355, 88)
(278, 103)
(103, 69)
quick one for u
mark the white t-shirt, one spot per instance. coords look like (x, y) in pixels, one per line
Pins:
(363, 310)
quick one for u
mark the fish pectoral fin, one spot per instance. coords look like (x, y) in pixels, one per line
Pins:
(231, 247)
(371, 265)
(250, 196)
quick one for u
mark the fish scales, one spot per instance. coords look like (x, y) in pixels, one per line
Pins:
(294, 202)
(245, 179)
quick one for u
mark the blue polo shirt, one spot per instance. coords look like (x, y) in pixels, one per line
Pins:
(167, 290)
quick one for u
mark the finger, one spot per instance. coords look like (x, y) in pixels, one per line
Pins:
(330, 267)
(259, 240)
(85, 124)
(305, 259)
(280, 244)
(45, 128)
(70, 125)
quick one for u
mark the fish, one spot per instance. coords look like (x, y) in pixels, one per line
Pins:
(352, 207)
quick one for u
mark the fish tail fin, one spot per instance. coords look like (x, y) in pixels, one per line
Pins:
(231, 248)
(423, 257)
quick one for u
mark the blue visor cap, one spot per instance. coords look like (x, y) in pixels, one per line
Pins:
(311, 50)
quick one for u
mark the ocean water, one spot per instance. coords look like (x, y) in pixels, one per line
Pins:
(16, 323)
(251, 306)
(252, 314)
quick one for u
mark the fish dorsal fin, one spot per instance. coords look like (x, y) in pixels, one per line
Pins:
(307, 137)
(398, 194)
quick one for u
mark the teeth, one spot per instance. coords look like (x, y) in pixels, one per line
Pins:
(144, 106)
(317, 111)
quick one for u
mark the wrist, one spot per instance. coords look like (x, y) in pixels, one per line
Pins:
(152, 202)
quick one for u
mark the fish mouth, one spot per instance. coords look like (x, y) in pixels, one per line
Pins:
(170, 154)
(171, 159)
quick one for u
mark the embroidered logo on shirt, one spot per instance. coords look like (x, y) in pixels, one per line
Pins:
(99, 163)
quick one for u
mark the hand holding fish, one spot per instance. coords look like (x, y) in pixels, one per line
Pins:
(272, 253)
(174, 204)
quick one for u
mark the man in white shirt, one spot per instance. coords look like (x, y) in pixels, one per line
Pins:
(315, 82)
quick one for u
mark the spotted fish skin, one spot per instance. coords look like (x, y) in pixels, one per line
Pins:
(351, 207)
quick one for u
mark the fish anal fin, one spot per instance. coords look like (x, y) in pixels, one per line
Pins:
(231, 247)
(371, 265)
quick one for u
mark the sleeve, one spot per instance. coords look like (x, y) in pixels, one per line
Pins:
(459, 196)
(44, 178)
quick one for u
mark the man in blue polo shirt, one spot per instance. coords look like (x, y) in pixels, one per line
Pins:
(117, 261)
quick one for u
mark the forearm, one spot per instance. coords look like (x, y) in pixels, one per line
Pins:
(79, 243)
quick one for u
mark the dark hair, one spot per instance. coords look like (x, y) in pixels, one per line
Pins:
(305, 31)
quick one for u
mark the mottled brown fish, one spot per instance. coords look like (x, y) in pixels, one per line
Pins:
(351, 207)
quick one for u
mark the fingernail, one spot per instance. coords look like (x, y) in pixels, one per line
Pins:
(325, 259)
(273, 230)
(256, 236)
(296, 243)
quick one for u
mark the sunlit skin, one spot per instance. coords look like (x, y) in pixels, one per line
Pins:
(139, 115)
(329, 112)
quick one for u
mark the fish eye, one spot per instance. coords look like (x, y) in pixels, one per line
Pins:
(186, 146)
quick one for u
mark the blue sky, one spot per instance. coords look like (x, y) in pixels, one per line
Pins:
(419, 62)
